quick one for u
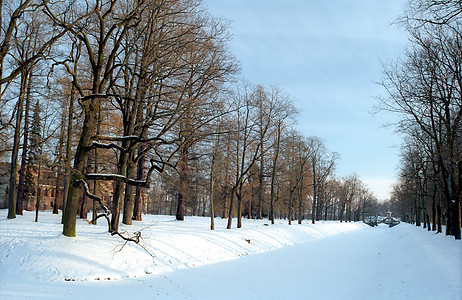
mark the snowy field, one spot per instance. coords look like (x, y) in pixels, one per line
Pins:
(185, 260)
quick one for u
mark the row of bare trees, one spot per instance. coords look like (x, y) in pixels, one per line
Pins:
(132, 105)
(425, 88)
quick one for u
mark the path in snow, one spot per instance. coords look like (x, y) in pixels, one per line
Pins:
(374, 263)
(403, 262)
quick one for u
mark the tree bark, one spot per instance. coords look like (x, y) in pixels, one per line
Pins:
(119, 188)
(300, 200)
(59, 177)
(315, 193)
(67, 161)
(80, 160)
(12, 196)
(230, 210)
(139, 190)
(22, 171)
(129, 201)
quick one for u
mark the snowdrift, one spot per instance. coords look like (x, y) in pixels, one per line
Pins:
(32, 251)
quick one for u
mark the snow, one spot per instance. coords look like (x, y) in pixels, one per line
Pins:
(186, 260)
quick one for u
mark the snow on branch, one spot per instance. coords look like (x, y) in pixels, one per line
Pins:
(95, 144)
(94, 96)
(117, 177)
(106, 212)
(116, 138)
(93, 197)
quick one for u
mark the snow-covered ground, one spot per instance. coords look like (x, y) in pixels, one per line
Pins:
(185, 260)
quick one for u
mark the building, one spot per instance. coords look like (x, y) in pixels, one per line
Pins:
(47, 188)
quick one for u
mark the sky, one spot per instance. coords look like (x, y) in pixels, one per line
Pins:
(328, 56)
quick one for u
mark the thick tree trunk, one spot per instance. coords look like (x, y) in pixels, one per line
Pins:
(119, 188)
(84, 205)
(80, 160)
(212, 206)
(59, 177)
(139, 190)
(13, 188)
(22, 171)
(67, 163)
(417, 211)
(225, 207)
(95, 169)
(271, 211)
(230, 210)
(129, 200)
(183, 184)
(239, 209)
(180, 207)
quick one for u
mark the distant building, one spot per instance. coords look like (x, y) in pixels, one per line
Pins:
(4, 184)
(48, 191)
(46, 188)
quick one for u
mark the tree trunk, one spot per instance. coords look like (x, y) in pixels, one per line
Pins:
(273, 171)
(67, 161)
(183, 184)
(119, 191)
(22, 171)
(84, 199)
(434, 222)
(239, 208)
(212, 207)
(180, 207)
(226, 183)
(80, 160)
(59, 178)
(12, 196)
(315, 189)
(230, 210)
(260, 184)
(37, 189)
(300, 202)
(95, 168)
(291, 200)
(139, 190)
(129, 201)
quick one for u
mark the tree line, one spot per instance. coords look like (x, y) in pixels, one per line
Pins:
(424, 88)
(135, 105)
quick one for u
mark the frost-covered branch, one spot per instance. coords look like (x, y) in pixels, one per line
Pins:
(116, 138)
(106, 212)
(117, 177)
(95, 144)
(93, 197)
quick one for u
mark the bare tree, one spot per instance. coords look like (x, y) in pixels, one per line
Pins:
(298, 154)
(246, 149)
(425, 89)
(322, 164)
(101, 33)
(26, 37)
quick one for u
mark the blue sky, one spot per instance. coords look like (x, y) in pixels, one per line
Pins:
(327, 55)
